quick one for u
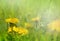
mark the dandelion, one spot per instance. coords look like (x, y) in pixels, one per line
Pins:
(9, 29)
(23, 31)
(15, 29)
(36, 19)
(55, 25)
(12, 20)
(20, 30)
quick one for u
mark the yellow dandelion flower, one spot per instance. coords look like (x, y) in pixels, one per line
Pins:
(15, 29)
(9, 29)
(12, 20)
(36, 19)
(23, 31)
(55, 25)
(27, 25)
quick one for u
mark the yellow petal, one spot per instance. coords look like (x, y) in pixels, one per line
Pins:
(36, 19)
(9, 29)
(54, 25)
(12, 20)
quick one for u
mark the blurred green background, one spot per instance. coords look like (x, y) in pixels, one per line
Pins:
(47, 9)
(24, 10)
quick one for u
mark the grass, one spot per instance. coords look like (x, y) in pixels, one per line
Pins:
(26, 10)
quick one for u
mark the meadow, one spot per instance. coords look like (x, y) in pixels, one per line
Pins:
(29, 20)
